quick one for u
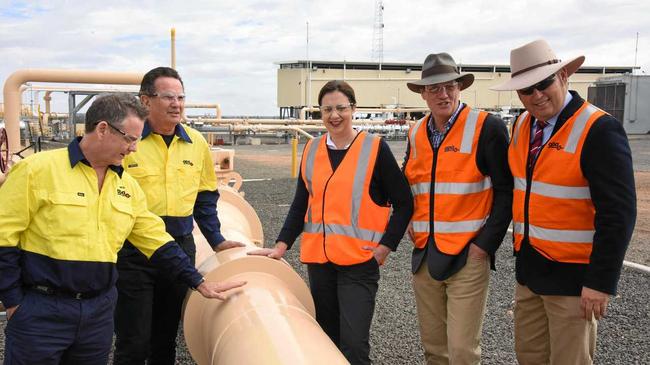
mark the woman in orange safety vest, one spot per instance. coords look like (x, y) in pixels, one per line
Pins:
(349, 181)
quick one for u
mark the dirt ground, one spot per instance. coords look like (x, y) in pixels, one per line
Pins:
(274, 161)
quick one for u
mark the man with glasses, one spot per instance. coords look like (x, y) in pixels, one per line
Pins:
(456, 164)
(574, 209)
(174, 168)
(65, 214)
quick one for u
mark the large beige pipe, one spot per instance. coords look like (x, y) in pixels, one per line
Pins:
(216, 107)
(173, 48)
(12, 94)
(268, 321)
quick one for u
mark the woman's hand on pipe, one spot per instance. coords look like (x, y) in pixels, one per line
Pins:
(275, 253)
(227, 244)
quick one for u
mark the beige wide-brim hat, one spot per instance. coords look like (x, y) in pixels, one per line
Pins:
(438, 68)
(532, 63)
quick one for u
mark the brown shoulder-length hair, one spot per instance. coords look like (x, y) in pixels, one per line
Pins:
(337, 85)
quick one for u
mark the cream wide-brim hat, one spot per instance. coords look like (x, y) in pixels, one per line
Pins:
(532, 63)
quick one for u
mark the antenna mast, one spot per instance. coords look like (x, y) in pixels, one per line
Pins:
(378, 34)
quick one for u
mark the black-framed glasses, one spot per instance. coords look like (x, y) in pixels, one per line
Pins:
(540, 86)
(127, 137)
(341, 108)
(170, 97)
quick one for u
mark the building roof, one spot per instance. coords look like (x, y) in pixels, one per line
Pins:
(396, 66)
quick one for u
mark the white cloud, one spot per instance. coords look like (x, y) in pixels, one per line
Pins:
(226, 49)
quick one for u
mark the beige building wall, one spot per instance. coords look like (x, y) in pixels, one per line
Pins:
(374, 88)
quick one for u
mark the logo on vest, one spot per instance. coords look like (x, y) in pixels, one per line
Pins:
(451, 148)
(123, 193)
(81, 194)
(555, 146)
(132, 165)
(188, 162)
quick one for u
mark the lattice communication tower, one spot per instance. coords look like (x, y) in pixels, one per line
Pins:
(378, 33)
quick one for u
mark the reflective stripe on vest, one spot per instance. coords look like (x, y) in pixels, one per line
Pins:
(350, 231)
(520, 121)
(309, 169)
(556, 235)
(449, 227)
(554, 191)
(413, 151)
(452, 188)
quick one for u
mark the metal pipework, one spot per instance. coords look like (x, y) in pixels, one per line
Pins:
(173, 48)
(268, 321)
(12, 94)
(215, 106)
(304, 110)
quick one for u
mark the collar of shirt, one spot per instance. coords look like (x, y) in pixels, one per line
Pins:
(435, 135)
(76, 155)
(179, 131)
(332, 146)
(550, 124)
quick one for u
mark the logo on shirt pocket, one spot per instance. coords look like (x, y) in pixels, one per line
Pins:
(123, 193)
(188, 162)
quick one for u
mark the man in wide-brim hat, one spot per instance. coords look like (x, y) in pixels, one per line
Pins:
(573, 209)
(456, 164)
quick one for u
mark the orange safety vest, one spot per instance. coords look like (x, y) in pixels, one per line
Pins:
(341, 216)
(462, 195)
(553, 207)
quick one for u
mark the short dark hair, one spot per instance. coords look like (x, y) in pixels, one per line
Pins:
(113, 108)
(337, 85)
(147, 85)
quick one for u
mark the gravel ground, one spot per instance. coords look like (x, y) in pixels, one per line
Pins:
(622, 335)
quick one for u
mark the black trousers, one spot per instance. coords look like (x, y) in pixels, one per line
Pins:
(345, 302)
(148, 308)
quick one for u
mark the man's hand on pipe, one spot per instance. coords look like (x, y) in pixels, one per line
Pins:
(227, 244)
(213, 289)
(275, 253)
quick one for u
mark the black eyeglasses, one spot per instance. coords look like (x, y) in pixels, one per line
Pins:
(127, 137)
(541, 86)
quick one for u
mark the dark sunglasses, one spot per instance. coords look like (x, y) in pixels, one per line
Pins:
(541, 86)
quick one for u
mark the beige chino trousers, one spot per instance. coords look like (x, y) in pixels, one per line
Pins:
(450, 313)
(550, 329)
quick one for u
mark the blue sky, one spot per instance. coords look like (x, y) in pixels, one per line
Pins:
(226, 49)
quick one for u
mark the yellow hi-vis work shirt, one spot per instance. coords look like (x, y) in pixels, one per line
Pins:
(172, 176)
(66, 232)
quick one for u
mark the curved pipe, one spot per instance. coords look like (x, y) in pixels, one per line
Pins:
(215, 106)
(13, 97)
(268, 321)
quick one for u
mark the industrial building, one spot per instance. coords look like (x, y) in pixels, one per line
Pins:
(620, 96)
(381, 85)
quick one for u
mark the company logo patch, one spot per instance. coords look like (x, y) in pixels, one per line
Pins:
(81, 194)
(188, 162)
(132, 165)
(123, 193)
(555, 146)
(451, 148)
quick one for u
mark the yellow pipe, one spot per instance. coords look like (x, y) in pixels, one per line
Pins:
(294, 157)
(173, 32)
(13, 97)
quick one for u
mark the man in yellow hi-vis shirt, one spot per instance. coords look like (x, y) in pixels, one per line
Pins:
(174, 167)
(65, 215)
